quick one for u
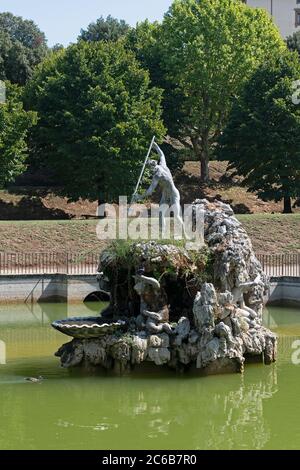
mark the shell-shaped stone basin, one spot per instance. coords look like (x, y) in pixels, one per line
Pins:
(88, 327)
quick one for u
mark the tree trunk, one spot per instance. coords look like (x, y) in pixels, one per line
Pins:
(100, 203)
(200, 147)
(204, 164)
(287, 205)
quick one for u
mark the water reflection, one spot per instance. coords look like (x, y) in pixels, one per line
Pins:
(73, 410)
(198, 413)
(212, 413)
(25, 329)
(45, 313)
(244, 416)
(284, 321)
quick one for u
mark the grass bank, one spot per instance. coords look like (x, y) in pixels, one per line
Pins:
(270, 233)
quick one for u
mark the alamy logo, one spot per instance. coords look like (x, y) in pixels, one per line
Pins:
(296, 353)
(141, 222)
(2, 92)
(2, 353)
(296, 94)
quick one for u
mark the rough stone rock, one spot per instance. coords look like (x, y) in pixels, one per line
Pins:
(95, 353)
(120, 351)
(208, 354)
(270, 351)
(182, 330)
(159, 356)
(139, 348)
(208, 294)
(222, 319)
(159, 341)
(204, 307)
(71, 354)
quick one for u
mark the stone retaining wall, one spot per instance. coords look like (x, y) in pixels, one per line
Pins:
(285, 291)
(62, 288)
(47, 288)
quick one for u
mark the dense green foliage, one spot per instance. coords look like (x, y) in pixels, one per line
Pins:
(144, 41)
(109, 29)
(97, 115)
(202, 55)
(100, 101)
(14, 126)
(22, 47)
(262, 139)
(293, 42)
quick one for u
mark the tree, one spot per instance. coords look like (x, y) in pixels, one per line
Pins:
(109, 29)
(14, 126)
(143, 40)
(293, 42)
(262, 138)
(22, 47)
(207, 50)
(57, 47)
(97, 115)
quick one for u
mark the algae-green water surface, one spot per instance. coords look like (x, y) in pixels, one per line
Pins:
(257, 410)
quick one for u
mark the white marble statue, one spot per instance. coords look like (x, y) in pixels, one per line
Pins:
(162, 178)
(154, 313)
(240, 289)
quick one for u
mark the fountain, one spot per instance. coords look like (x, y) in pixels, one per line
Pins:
(197, 309)
(187, 310)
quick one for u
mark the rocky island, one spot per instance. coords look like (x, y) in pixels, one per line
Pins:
(186, 310)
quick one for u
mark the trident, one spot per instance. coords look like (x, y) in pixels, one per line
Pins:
(143, 170)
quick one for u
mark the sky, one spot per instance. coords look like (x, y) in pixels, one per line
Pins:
(62, 20)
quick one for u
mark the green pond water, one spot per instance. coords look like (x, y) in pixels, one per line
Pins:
(257, 410)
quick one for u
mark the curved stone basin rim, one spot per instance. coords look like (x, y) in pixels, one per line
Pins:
(87, 327)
